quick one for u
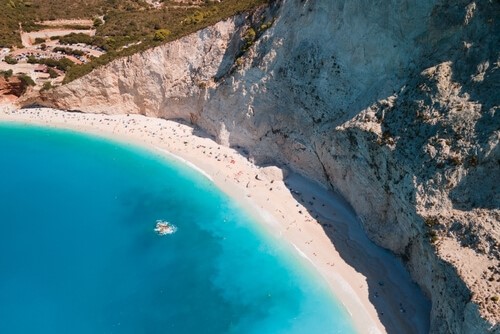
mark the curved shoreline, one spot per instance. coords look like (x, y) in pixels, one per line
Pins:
(281, 211)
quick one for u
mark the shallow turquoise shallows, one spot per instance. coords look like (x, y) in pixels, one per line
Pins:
(78, 251)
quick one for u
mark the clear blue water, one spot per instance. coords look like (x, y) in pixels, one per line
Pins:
(78, 253)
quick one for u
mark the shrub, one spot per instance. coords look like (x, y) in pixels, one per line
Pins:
(6, 74)
(434, 239)
(52, 73)
(97, 22)
(9, 60)
(39, 40)
(46, 86)
(430, 222)
(195, 18)
(239, 62)
(161, 34)
(265, 26)
(249, 38)
(250, 35)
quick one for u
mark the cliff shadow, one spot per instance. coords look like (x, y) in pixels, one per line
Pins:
(400, 304)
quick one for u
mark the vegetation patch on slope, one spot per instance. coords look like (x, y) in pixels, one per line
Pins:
(122, 27)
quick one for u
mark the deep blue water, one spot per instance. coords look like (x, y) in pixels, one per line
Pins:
(78, 253)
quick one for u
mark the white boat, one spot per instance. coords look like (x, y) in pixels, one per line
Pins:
(164, 227)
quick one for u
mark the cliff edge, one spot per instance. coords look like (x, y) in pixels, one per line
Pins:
(395, 105)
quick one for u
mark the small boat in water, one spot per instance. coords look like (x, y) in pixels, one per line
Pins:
(164, 227)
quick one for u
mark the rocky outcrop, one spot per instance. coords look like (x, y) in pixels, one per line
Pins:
(10, 88)
(394, 104)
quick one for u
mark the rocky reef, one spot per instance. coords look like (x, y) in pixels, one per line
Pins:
(393, 104)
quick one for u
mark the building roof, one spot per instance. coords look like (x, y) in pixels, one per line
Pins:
(40, 68)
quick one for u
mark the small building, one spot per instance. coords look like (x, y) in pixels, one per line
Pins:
(40, 68)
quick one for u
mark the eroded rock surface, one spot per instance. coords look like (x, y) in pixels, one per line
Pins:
(394, 104)
(10, 88)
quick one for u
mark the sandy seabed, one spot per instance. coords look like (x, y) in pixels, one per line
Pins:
(373, 286)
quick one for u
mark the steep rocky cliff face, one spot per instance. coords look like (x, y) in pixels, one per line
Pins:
(394, 104)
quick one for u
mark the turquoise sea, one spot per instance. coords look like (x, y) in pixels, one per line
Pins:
(78, 253)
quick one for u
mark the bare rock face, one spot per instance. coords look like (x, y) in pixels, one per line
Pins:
(394, 104)
(164, 81)
(10, 88)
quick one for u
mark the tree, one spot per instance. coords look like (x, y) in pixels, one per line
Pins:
(26, 80)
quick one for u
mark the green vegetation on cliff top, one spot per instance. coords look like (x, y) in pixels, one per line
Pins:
(128, 26)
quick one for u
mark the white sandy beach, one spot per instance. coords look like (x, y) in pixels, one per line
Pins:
(302, 218)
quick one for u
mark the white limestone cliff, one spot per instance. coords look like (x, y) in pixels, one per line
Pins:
(394, 104)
